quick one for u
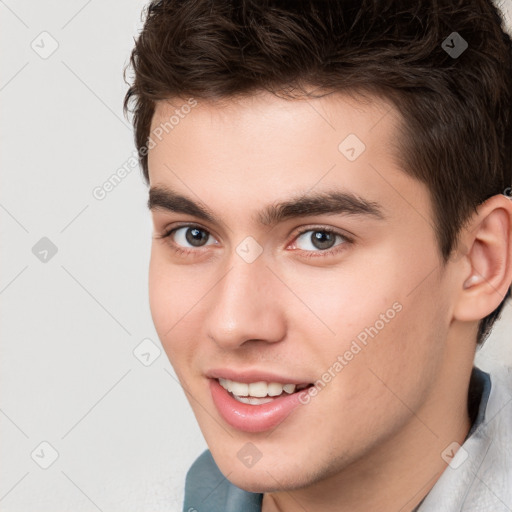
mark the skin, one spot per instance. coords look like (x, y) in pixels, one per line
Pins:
(372, 438)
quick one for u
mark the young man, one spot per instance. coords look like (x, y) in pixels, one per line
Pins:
(330, 190)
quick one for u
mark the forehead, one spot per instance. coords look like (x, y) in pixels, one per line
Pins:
(265, 130)
(265, 110)
(262, 148)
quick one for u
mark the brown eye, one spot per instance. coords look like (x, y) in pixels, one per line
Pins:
(317, 240)
(196, 236)
(322, 239)
(191, 236)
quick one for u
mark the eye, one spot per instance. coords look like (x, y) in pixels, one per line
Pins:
(314, 242)
(319, 240)
(192, 235)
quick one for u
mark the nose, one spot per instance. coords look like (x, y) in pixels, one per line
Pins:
(246, 305)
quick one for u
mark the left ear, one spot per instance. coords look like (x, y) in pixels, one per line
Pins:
(489, 260)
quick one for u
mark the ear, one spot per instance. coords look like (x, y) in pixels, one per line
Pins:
(486, 268)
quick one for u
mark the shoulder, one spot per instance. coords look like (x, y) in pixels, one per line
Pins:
(206, 486)
(202, 478)
(204, 465)
(499, 408)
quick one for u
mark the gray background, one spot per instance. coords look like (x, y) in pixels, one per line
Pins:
(72, 372)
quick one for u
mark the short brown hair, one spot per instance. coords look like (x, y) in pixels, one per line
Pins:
(457, 109)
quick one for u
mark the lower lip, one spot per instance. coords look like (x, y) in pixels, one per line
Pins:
(252, 418)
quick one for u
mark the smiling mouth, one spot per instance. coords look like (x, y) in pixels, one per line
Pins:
(259, 393)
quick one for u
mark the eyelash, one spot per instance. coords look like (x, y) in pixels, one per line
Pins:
(308, 254)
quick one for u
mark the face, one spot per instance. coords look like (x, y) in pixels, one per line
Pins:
(342, 292)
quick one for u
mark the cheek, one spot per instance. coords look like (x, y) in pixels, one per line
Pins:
(374, 313)
(159, 296)
(340, 303)
(395, 341)
(170, 299)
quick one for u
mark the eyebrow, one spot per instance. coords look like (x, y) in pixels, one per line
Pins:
(318, 203)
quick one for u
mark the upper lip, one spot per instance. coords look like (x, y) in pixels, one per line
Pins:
(252, 375)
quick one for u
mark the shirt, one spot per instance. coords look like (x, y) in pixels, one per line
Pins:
(477, 479)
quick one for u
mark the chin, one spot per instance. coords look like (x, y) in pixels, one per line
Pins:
(265, 476)
(265, 482)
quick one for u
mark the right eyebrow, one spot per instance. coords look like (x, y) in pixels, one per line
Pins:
(165, 199)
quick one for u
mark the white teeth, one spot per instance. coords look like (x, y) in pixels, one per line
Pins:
(238, 388)
(252, 401)
(257, 389)
(274, 389)
(289, 388)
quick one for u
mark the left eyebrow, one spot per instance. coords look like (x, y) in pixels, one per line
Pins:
(320, 203)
